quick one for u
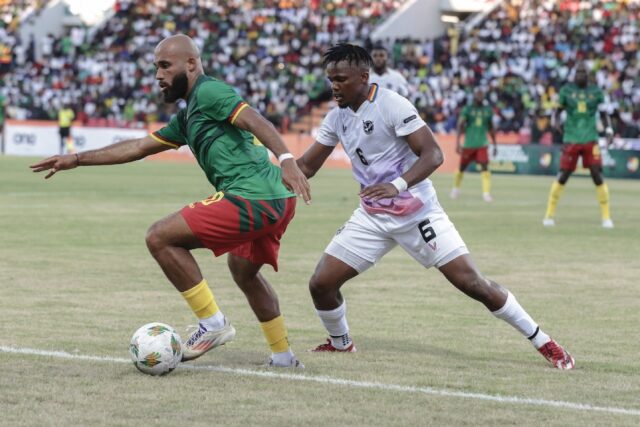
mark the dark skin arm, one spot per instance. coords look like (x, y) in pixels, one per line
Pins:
(120, 152)
(292, 177)
(313, 159)
(492, 134)
(608, 128)
(459, 132)
(555, 119)
(430, 157)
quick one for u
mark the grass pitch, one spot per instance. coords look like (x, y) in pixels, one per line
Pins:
(75, 276)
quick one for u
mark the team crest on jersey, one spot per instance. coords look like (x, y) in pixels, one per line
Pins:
(368, 127)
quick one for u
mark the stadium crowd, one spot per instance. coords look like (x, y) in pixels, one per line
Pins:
(270, 50)
(522, 55)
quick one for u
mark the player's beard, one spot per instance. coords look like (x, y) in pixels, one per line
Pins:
(178, 88)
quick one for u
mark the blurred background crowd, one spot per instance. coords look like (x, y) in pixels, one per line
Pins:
(521, 53)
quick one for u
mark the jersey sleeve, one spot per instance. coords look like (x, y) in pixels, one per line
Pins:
(464, 112)
(327, 134)
(402, 116)
(218, 101)
(562, 99)
(172, 134)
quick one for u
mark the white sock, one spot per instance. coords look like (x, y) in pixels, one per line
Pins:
(213, 323)
(335, 322)
(539, 338)
(513, 313)
(283, 358)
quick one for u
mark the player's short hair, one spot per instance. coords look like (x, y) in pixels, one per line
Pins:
(378, 46)
(347, 52)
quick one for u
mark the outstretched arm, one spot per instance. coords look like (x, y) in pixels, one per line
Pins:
(120, 152)
(430, 157)
(292, 177)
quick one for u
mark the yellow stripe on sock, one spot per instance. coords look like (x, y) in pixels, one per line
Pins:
(602, 191)
(201, 300)
(457, 179)
(554, 196)
(486, 182)
(275, 332)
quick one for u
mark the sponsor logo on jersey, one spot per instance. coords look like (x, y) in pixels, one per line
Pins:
(410, 118)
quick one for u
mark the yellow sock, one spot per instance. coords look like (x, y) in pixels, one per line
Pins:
(554, 196)
(457, 179)
(602, 191)
(275, 332)
(201, 300)
(486, 182)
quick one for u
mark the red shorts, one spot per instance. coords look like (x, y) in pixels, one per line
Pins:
(250, 229)
(590, 153)
(479, 155)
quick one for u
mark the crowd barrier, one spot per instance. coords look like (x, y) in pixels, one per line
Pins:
(40, 138)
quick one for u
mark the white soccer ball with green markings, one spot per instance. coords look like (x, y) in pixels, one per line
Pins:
(156, 349)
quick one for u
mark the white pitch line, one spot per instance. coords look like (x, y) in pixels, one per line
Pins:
(342, 382)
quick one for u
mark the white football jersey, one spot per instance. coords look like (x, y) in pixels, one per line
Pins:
(392, 80)
(373, 139)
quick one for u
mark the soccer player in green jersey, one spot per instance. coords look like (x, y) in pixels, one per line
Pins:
(474, 122)
(254, 203)
(580, 138)
(3, 105)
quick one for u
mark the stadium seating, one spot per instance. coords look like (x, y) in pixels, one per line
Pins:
(270, 50)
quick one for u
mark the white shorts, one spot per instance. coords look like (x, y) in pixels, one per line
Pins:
(427, 235)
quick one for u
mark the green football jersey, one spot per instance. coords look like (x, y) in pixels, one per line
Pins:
(3, 101)
(477, 121)
(582, 107)
(233, 159)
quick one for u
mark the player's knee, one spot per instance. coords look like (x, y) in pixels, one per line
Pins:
(320, 284)
(243, 280)
(154, 239)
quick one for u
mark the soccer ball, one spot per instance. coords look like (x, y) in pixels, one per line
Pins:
(156, 349)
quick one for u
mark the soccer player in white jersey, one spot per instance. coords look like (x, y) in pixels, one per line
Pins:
(386, 77)
(392, 153)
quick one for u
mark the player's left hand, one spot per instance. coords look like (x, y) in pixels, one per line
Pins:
(56, 163)
(495, 150)
(294, 180)
(379, 191)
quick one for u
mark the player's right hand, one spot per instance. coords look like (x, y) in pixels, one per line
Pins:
(55, 164)
(558, 128)
(295, 180)
(458, 149)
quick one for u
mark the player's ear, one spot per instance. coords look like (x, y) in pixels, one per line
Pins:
(365, 76)
(192, 63)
